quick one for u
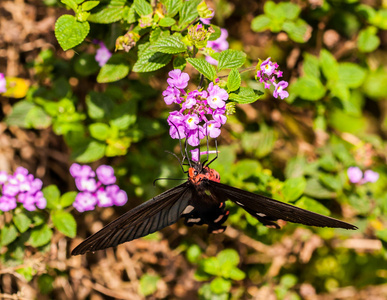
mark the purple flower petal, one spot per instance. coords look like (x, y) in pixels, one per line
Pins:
(279, 89)
(120, 198)
(77, 170)
(178, 79)
(40, 201)
(86, 184)
(354, 174)
(370, 176)
(7, 203)
(3, 176)
(102, 55)
(105, 174)
(85, 201)
(10, 190)
(104, 199)
(221, 43)
(3, 83)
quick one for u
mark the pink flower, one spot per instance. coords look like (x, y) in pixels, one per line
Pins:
(178, 79)
(102, 55)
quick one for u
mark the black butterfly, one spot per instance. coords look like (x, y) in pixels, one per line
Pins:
(200, 200)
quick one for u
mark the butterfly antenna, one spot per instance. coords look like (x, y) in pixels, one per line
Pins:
(208, 146)
(216, 149)
(181, 148)
(180, 162)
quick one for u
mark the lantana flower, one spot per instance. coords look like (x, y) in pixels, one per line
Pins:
(355, 175)
(102, 54)
(267, 74)
(21, 187)
(202, 112)
(102, 192)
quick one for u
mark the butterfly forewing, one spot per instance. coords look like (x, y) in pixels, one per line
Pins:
(267, 210)
(153, 215)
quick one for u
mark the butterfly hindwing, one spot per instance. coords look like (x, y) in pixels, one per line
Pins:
(153, 215)
(267, 210)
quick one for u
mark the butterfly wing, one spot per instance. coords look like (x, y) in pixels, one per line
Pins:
(267, 210)
(153, 215)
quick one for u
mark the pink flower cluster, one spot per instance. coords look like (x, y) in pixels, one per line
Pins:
(268, 74)
(202, 112)
(21, 187)
(103, 192)
(355, 175)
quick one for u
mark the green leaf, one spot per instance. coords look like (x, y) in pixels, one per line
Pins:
(37, 118)
(148, 284)
(70, 32)
(149, 60)
(8, 234)
(67, 199)
(21, 221)
(99, 131)
(265, 138)
(40, 236)
(311, 65)
(237, 274)
(90, 151)
(228, 257)
(64, 222)
(167, 22)
(170, 45)
(234, 80)
(312, 205)
(351, 75)
(142, 7)
(260, 23)
(89, 5)
(368, 40)
(203, 67)
(293, 188)
(298, 31)
(375, 84)
(172, 7)
(332, 182)
(99, 105)
(230, 59)
(308, 88)
(115, 69)
(114, 11)
(215, 35)
(179, 63)
(193, 254)
(85, 64)
(71, 3)
(18, 116)
(45, 284)
(316, 190)
(188, 12)
(289, 10)
(52, 195)
(211, 266)
(220, 285)
(329, 65)
(246, 95)
(26, 272)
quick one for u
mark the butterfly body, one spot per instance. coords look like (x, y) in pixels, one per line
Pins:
(200, 200)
